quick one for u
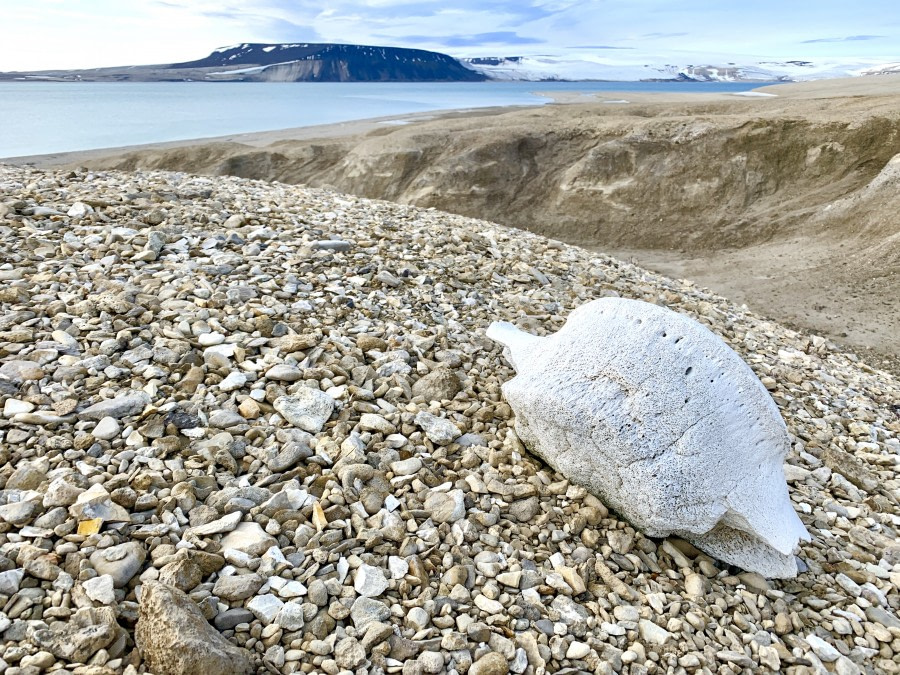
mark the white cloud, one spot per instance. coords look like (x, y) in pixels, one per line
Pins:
(87, 33)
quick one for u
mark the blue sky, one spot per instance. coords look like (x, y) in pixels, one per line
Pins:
(88, 33)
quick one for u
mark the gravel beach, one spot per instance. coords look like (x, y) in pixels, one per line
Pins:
(256, 427)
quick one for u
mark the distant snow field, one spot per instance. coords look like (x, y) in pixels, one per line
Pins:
(591, 67)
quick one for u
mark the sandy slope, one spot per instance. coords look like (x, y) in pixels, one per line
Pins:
(787, 203)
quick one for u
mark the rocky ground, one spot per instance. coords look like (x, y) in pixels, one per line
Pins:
(251, 427)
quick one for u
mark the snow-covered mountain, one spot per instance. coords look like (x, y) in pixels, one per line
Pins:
(587, 67)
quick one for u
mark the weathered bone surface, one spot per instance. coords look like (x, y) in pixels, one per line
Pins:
(658, 417)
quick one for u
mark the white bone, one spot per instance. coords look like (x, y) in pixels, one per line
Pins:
(659, 418)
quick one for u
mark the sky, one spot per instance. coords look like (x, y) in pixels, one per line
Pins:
(47, 34)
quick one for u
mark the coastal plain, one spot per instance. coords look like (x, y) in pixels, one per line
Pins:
(785, 200)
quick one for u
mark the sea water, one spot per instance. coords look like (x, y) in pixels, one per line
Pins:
(49, 117)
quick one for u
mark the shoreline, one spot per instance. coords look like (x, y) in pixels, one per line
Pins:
(257, 138)
(261, 139)
(855, 86)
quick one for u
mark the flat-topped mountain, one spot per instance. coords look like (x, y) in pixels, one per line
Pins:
(333, 63)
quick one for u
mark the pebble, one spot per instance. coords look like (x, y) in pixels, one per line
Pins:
(250, 538)
(100, 589)
(308, 409)
(369, 581)
(438, 429)
(107, 429)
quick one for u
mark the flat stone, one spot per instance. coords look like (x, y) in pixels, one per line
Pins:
(100, 589)
(225, 419)
(13, 407)
(221, 525)
(882, 616)
(237, 586)
(490, 664)
(349, 653)
(406, 467)
(291, 616)
(485, 604)
(27, 476)
(446, 507)
(232, 617)
(577, 650)
(21, 371)
(438, 385)
(822, 649)
(10, 580)
(120, 562)
(250, 538)
(365, 611)
(118, 407)
(86, 632)
(233, 381)
(284, 373)
(291, 453)
(95, 502)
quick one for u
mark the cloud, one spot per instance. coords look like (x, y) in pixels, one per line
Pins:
(849, 38)
(477, 40)
(597, 47)
(661, 36)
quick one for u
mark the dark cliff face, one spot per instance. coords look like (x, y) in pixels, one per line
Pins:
(343, 63)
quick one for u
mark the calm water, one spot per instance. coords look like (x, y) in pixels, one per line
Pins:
(45, 117)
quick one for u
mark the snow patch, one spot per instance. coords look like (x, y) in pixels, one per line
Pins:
(754, 94)
(248, 71)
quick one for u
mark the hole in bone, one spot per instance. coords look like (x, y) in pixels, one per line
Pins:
(688, 371)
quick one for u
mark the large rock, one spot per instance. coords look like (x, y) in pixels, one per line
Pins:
(658, 417)
(174, 638)
(88, 631)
